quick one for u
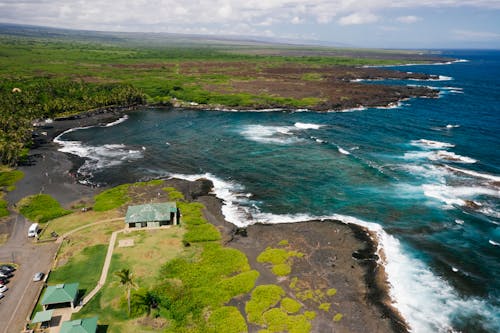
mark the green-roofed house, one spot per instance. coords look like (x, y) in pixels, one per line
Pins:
(87, 325)
(152, 215)
(63, 294)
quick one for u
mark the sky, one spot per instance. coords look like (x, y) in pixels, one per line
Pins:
(361, 23)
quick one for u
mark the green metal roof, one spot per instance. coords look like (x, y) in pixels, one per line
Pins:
(150, 212)
(42, 316)
(60, 293)
(87, 325)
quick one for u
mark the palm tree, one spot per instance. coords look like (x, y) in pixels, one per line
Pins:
(145, 300)
(127, 281)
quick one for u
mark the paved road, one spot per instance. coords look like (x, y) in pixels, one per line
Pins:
(15, 307)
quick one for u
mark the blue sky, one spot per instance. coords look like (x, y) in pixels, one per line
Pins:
(362, 23)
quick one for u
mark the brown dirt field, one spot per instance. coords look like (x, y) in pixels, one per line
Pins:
(331, 84)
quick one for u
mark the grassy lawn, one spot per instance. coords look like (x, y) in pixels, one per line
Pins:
(70, 222)
(84, 268)
(149, 246)
(76, 243)
(150, 251)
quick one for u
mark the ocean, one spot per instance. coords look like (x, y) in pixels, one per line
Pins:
(424, 175)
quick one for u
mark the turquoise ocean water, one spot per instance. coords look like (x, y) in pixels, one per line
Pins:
(424, 175)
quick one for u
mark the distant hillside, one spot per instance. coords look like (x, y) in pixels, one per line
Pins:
(233, 44)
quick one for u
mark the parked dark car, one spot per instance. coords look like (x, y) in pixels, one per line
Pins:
(4, 280)
(5, 274)
(8, 268)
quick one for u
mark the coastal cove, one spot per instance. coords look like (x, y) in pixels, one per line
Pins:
(417, 175)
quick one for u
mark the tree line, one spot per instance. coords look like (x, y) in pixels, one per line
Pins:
(23, 101)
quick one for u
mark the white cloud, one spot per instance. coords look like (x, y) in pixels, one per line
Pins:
(408, 19)
(476, 36)
(215, 15)
(358, 18)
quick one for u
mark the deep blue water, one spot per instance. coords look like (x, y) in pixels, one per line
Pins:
(427, 172)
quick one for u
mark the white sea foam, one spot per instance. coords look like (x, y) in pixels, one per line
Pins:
(431, 144)
(390, 106)
(359, 108)
(276, 134)
(439, 155)
(425, 300)
(475, 173)
(118, 121)
(97, 157)
(457, 195)
(270, 134)
(449, 156)
(418, 64)
(452, 126)
(308, 126)
(343, 151)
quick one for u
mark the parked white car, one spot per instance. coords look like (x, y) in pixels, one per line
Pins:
(3, 288)
(33, 230)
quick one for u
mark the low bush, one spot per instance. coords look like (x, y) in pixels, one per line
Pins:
(227, 319)
(263, 298)
(9, 177)
(112, 198)
(201, 233)
(173, 194)
(41, 208)
(290, 305)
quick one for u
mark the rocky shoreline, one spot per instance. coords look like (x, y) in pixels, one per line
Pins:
(336, 255)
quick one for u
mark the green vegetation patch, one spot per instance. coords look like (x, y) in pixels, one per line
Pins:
(112, 198)
(41, 208)
(312, 77)
(191, 285)
(290, 305)
(174, 194)
(263, 298)
(201, 233)
(3, 207)
(325, 307)
(9, 177)
(277, 320)
(191, 213)
(227, 319)
(337, 317)
(281, 259)
(84, 268)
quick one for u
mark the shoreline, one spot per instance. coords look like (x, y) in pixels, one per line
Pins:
(373, 289)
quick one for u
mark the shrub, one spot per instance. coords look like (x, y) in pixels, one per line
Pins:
(3, 208)
(239, 284)
(41, 208)
(331, 292)
(173, 194)
(227, 319)
(325, 307)
(282, 269)
(112, 198)
(290, 305)
(9, 178)
(283, 242)
(201, 233)
(263, 298)
(273, 256)
(337, 317)
(192, 213)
